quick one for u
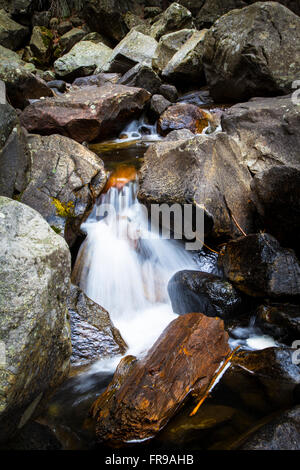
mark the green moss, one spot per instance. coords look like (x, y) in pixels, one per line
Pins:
(56, 229)
(63, 209)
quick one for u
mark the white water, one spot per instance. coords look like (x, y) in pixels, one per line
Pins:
(129, 277)
(139, 129)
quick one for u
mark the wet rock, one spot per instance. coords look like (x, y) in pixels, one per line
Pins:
(281, 321)
(22, 85)
(196, 291)
(135, 48)
(34, 279)
(34, 436)
(100, 79)
(168, 45)
(12, 34)
(253, 52)
(64, 180)
(93, 333)
(59, 85)
(258, 266)
(142, 76)
(83, 59)
(281, 433)
(86, 114)
(169, 92)
(186, 64)
(183, 116)
(70, 38)
(205, 170)
(158, 105)
(267, 130)
(138, 407)
(174, 18)
(41, 45)
(276, 194)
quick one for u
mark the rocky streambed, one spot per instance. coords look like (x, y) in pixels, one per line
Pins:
(108, 340)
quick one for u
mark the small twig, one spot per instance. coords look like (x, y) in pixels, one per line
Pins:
(234, 219)
(213, 381)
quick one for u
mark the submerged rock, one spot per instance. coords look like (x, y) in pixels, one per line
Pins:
(196, 291)
(183, 116)
(34, 330)
(86, 114)
(253, 52)
(257, 265)
(93, 334)
(64, 180)
(140, 404)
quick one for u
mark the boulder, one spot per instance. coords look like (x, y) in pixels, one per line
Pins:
(63, 182)
(142, 76)
(196, 291)
(211, 10)
(86, 114)
(259, 266)
(168, 45)
(254, 51)
(174, 18)
(267, 130)
(22, 85)
(96, 38)
(181, 134)
(19, 7)
(183, 116)
(205, 170)
(281, 321)
(186, 64)
(276, 194)
(34, 329)
(100, 79)
(83, 59)
(158, 105)
(280, 433)
(12, 34)
(169, 92)
(41, 45)
(136, 407)
(8, 120)
(70, 38)
(93, 335)
(135, 48)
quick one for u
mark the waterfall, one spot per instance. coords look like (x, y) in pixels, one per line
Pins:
(126, 268)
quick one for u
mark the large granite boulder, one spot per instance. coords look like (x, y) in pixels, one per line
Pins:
(34, 329)
(12, 34)
(206, 171)
(267, 130)
(83, 59)
(63, 181)
(141, 399)
(254, 51)
(87, 113)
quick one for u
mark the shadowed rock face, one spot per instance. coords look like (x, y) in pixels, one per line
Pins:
(253, 52)
(137, 404)
(86, 114)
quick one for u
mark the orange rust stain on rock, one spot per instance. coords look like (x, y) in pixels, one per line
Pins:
(121, 176)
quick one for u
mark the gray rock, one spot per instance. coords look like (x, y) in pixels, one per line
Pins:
(169, 92)
(135, 48)
(34, 282)
(253, 52)
(174, 18)
(12, 34)
(83, 59)
(168, 45)
(158, 105)
(181, 134)
(142, 76)
(94, 336)
(69, 39)
(100, 79)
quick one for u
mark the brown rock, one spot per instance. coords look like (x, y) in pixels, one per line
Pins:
(86, 114)
(183, 360)
(183, 116)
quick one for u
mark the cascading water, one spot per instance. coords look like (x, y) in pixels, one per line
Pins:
(125, 267)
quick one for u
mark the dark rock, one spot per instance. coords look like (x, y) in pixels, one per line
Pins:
(183, 116)
(69, 39)
(211, 10)
(12, 34)
(158, 105)
(64, 26)
(142, 76)
(281, 433)
(281, 321)
(100, 79)
(41, 45)
(168, 45)
(174, 18)
(276, 194)
(8, 120)
(63, 181)
(41, 18)
(258, 266)
(92, 332)
(34, 436)
(205, 169)
(195, 291)
(169, 92)
(253, 52)
(198, 98)
(96, 38)
(267, 130)
(86, 114)
(59, 85)
(34, 282)
(151, 12)
(192, 347)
